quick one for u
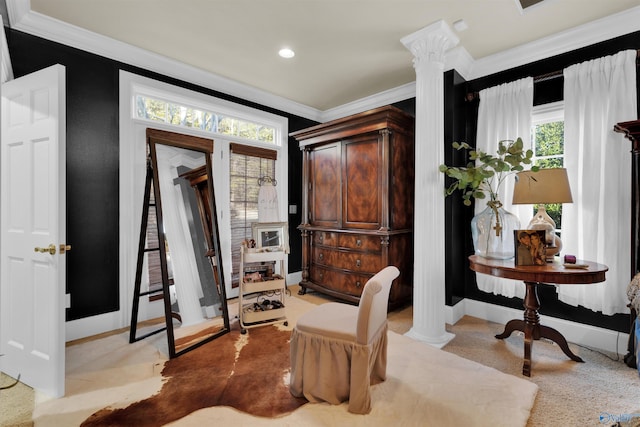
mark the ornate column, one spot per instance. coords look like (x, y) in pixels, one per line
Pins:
(428, 47)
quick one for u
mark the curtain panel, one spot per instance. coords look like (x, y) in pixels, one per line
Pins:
(597, 95)
(505, 112)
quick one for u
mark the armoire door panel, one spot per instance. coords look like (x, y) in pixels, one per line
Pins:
(324, 197)
(361, 189)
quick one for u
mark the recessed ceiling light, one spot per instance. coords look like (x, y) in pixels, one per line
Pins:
(286, 53)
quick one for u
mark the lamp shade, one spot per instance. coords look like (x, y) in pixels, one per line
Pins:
(543, 187)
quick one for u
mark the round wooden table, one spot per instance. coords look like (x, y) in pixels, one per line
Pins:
(532, 276)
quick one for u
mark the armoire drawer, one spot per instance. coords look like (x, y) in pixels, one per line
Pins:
(325, 238)
(353, 261)
(348, 241)
(348, 283)
(360, 242)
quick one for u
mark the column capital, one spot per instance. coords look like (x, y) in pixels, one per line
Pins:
(431, 43)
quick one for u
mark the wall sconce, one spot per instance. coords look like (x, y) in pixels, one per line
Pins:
(543, 187)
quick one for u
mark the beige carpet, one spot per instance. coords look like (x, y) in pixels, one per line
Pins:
(570, 394)
(16, 403)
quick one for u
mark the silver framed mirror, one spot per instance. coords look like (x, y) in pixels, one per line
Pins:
(179, 260)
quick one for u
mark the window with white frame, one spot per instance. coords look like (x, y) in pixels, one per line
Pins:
(547, 139)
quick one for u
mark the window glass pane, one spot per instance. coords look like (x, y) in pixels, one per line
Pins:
(244, 173)
(247, 130)
(173, 114)
(151, 109)
(225, 126)
(548, 138)
(266, 134)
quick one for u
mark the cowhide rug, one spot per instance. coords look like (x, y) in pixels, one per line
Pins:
(248, 372)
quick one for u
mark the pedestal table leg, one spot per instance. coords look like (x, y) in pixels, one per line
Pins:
(533, 330)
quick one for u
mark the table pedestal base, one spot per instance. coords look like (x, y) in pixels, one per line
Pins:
(533, 330)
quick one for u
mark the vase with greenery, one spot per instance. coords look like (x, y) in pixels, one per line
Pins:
(492, 229)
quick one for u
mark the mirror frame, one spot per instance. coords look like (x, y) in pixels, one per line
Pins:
(203, 145)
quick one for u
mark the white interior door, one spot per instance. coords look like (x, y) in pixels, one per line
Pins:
(32, 235)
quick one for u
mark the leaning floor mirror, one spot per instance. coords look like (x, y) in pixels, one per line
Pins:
(179, 264)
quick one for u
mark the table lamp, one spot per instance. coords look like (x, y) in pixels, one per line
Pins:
(543, 187)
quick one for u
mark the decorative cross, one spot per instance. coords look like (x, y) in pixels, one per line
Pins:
(495, 205)
(498, 228)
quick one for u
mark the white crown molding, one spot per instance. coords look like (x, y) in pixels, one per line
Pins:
(380, 99)
(22, 18)
(607, 28)
(459, 59)
(52, 29)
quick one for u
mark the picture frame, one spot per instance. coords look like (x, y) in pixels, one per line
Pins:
(271, 236)
(530, 247)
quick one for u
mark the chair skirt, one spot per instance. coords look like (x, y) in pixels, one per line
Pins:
(325, 369)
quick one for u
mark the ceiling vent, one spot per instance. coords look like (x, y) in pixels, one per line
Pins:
(526, 5)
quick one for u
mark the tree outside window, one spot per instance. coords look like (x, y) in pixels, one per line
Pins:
(548, 142)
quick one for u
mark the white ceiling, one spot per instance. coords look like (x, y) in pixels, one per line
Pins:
(346, 50)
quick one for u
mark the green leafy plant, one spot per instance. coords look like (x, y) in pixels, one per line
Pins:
(485, 173)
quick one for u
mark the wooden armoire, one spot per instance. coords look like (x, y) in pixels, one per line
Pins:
(358, 197)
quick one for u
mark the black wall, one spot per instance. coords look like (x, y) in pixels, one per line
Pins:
(460, 279)
(93, 162)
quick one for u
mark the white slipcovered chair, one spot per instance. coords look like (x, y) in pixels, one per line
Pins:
(339, 350)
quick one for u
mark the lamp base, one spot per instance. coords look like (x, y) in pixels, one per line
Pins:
(552, 251)
(553, 242)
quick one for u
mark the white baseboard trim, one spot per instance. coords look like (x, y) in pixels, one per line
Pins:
(294, 278)
(455, 313)
(94, 325)
(585, 335)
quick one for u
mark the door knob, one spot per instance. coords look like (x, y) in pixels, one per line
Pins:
(64, 248)
(51, 249)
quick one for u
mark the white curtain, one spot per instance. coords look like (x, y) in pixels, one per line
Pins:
(505, 113)
(597, 95)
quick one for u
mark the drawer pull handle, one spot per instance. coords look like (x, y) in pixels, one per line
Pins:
(321, 256)
(321, 275)
(358, 284)
(358, 263)
(321, 237)
(358, 243)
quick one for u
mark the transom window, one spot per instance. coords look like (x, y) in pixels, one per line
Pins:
(159, 110)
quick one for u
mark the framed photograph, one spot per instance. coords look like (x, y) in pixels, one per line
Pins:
(271, 236)
(530, 248)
